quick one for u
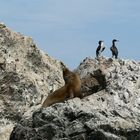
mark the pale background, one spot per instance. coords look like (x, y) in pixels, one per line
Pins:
(69, 30)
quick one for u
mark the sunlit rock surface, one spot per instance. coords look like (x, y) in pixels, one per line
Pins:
(109, 109)
(111, 112)
(27, 75)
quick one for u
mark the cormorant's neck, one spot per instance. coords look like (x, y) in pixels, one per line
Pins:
(113, 43)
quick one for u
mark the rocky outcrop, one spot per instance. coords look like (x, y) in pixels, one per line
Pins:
(27, 75)
(108, 112)
(109, 109)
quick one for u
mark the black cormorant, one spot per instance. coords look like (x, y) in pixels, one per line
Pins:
(100, 48)
(114, 49)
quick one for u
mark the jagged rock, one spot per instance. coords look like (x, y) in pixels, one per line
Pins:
(110, 108)
(27, 76)
(112, 113)
(92, 76)
(93, 82)
(2, 25)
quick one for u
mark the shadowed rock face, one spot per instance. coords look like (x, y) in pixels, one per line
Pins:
(93, 82)
(109, 113)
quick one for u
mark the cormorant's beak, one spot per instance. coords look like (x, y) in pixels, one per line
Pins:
(117, 40)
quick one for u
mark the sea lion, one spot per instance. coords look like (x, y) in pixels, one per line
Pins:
(70, 90)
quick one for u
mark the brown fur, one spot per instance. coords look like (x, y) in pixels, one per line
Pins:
(71, 89)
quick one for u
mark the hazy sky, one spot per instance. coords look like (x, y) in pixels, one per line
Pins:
(69, 30)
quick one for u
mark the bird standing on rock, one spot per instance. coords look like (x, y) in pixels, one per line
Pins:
(114, 49)
(100, 48)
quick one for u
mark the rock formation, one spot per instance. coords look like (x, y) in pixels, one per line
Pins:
(27, 76)
(109, 110)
